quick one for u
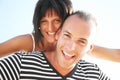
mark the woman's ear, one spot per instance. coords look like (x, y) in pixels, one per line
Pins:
(57, 34)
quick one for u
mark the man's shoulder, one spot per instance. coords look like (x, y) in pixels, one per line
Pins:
(21, 55)
(88, 65)
(85, 62)
(90, 70)
(30, 54)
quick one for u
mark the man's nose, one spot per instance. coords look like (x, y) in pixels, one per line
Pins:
(71, 45)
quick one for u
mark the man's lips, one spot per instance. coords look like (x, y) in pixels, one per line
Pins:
(67, 56)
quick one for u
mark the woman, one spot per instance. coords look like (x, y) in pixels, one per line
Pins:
(48, 16)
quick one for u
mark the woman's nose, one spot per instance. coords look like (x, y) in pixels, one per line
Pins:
(51, 27)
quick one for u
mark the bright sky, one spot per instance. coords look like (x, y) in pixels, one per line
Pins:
(16, 19)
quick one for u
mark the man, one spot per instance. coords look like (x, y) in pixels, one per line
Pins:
(65, 63)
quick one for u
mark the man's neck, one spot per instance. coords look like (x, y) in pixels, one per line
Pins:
(51, 56)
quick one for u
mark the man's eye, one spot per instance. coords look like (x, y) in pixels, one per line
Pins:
(82, 42)
(66, 35)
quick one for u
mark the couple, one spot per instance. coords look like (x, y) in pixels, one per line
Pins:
(48, 16)
(74, 39)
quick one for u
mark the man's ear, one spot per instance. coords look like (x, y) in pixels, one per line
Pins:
(57, 34)
(91, 48)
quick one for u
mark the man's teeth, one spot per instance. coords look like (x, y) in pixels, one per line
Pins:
(67, 54)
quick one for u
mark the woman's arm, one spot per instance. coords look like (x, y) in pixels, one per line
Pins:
(22, 42)
(106, 53)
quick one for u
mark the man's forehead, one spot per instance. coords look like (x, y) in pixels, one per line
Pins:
(76, 27)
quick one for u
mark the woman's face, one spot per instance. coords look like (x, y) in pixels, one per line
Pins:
(49, 25)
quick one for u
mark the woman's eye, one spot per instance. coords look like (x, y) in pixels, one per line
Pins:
(43, 22)
(57, 21)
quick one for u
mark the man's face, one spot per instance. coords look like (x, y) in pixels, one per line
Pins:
(73, 41)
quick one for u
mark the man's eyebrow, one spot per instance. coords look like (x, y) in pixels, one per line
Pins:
(79, 38)
(67, 32)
